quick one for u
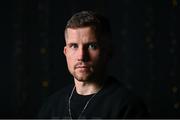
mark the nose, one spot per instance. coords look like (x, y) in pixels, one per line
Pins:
(83, 54)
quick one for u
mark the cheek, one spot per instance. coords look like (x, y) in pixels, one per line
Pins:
(99, 59)
(95, 55)
(69, 60)
(70, 66)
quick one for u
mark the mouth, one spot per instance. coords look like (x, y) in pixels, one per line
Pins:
(82, 67)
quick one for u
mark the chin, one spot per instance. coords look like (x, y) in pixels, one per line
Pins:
(82, 78)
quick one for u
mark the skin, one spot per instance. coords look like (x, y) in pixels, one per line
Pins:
(85, 59)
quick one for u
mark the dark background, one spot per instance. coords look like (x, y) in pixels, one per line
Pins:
(146, 41)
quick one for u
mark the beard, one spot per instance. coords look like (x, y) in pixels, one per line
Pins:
(85, 72)
(83, 75)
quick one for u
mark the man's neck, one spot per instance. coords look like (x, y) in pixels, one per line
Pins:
(87, 88)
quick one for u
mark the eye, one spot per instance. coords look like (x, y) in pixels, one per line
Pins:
(73, 45)
(93, 46)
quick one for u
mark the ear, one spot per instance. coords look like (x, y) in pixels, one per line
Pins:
(64, 51)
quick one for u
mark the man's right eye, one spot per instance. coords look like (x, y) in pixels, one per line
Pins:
(73, 46)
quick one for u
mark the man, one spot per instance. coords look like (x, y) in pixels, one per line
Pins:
(93, 95)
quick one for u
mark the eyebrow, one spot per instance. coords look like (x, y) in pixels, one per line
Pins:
(93, 42)
(69, 44)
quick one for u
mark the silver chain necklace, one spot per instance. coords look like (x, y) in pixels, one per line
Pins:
(69, 103)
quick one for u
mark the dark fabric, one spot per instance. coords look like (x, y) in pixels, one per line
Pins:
(113, 101)
(78, 103)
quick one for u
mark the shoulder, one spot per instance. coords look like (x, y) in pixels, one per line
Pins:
(117, 87)
(126, 98)
(120, 90)
(123, 91)
(54, 102)
(60, 94)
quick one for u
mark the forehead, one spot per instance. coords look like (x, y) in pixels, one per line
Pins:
(84, 33)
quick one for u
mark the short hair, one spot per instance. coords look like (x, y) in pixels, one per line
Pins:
(99, 23)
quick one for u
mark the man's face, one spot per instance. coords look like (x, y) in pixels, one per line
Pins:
(83, 53)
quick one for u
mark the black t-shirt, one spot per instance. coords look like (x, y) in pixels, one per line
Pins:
(113, 101)
(79, 102)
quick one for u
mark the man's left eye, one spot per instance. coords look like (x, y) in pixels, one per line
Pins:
(92, 46)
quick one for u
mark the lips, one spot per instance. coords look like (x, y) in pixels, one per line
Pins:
(82, 67)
